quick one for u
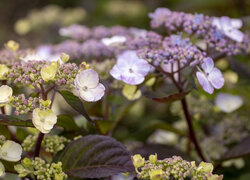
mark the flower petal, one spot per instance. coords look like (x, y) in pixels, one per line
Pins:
(94, 94)
(2, 169)
(132, 78)
(227, 102)
(216, 78)
(235, 34)
(205, 84)
(116, 72)
(236, 23)
(208, 64)
(87, 78)
(11, 151)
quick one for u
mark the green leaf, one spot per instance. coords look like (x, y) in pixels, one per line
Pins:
(14, 121)
(95, 156)
(104, 126)
(171, 98)
(67, 122)
(239, 150)
(76, 104)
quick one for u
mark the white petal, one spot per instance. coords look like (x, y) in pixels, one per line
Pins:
(11, 151)
(216, 22)
(87, 78)
(208, 64)
(2, 169)
(235, 34)
(236, 23)
(205, 84)
(94, 94)
(216, 78)
(227, 102)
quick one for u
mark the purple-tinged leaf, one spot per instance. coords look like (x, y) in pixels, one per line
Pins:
(95, 156)
(239, 150)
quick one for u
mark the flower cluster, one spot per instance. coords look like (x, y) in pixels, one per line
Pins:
(39, 169)
(221, 34)
(172, 168)
(50, 143)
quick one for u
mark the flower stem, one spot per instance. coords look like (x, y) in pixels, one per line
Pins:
(38, 144)
(191, 129)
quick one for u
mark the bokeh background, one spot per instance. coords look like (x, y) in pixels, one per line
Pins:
(34, 22)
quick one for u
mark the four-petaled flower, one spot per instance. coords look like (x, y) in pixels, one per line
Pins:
(210, 77)
(44, 120)
(229, 27)
(11, 151)
(88, 86)
(130, 68)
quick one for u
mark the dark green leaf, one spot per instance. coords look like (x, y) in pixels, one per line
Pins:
(67, 122)
(95, 156)
(14, 121)
(76, 104)
(239, 150)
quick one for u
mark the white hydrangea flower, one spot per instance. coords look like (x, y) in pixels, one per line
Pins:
(88, 86)
(5, 95)
(11, 151)
(113, 40)
(44, 120)
(228, 102)
(2, 169)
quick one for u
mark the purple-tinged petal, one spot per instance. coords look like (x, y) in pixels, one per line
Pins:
(205, 84)
(216, 78)
(116, 72)
(142, 67)
(236, 23)
(208, 64)
(235, 34)
(132, 78)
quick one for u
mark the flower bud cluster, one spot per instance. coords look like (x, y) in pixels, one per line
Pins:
(171, 168)
(50, 143)
(24, 105)
(199, 25)
(171, 50)
(40, 169)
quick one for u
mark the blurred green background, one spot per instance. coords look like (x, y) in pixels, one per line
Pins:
(99, 12)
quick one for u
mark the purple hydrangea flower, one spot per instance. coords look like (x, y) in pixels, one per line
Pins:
(130, 68)
(229, 27)
(210, 77)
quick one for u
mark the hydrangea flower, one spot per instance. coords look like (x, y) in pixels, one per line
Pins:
(48, 73)
(130, 68)
(228, 102)
(4, 70)
(113, 40)
(5, 95)
(229, 27)
(44, 120)
(88, 86)
(210, 77)
(11, 151)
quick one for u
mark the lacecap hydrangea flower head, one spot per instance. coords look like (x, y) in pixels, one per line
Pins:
(130, 68)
